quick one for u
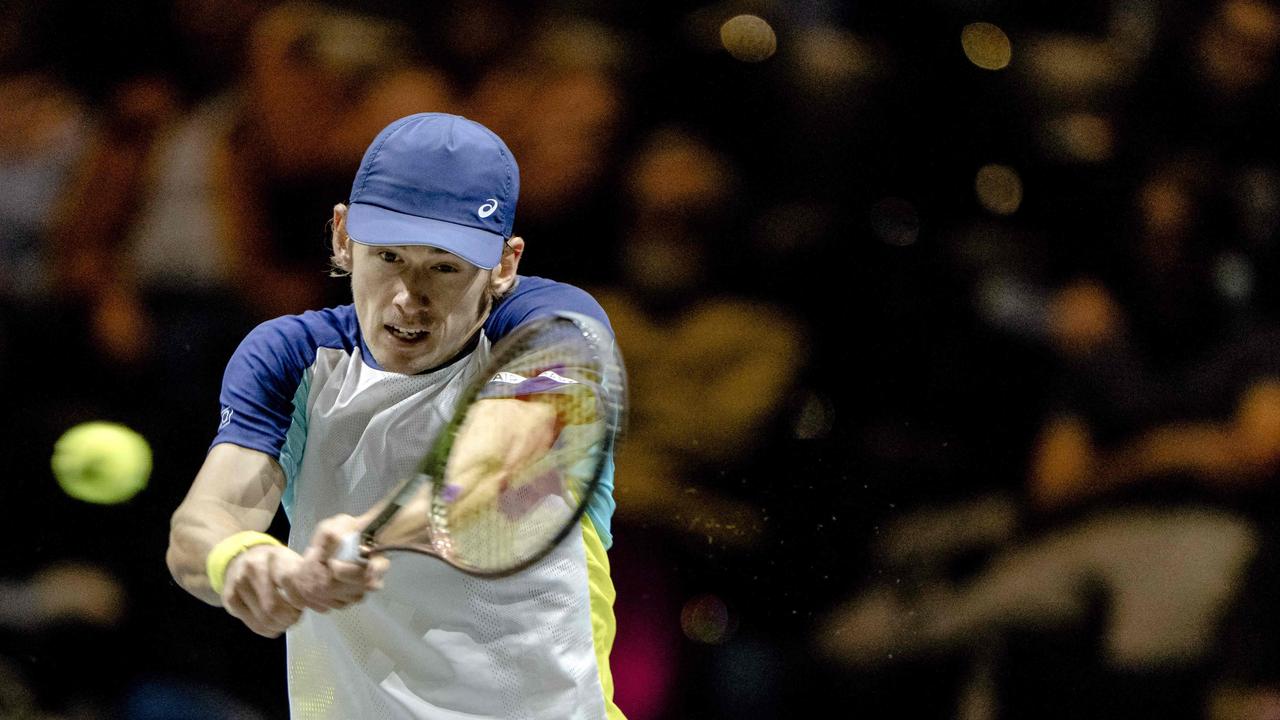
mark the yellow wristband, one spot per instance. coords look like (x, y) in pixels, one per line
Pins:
(224, 552)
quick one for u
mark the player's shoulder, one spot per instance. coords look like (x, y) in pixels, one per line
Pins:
(269, 368)
(289, 343)
(534, 297)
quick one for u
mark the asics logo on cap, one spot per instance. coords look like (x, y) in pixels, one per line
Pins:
(488, 208)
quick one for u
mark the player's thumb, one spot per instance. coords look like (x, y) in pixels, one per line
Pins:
(328, 536)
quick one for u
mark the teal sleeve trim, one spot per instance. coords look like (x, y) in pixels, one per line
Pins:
(601, 505)
(295, 443)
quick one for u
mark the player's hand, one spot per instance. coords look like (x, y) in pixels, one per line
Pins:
(321, 582)
(499, 439)
(252, 590)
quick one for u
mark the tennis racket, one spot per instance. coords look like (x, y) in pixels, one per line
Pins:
(496, 517)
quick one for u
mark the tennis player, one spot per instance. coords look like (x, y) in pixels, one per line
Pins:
(324, 412)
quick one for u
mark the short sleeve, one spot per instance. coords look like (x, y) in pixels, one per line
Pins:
(535, 297)
(264, 373)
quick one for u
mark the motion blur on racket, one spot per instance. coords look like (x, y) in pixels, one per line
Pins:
(551, 403)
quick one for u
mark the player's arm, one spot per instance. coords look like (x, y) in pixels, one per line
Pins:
(237, 490)
(500, 438)
(519, 417)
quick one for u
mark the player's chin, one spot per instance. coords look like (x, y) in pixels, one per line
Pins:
(407, 360)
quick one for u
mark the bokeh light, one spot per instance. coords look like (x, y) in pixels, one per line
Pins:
(1234, 277)
(999, 189)
(830, 57)
(815, 419)
(986, 46)
(1064, 67)
(1082, 137)
(748, 38)
(705, 619)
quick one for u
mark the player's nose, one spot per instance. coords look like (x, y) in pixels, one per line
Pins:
(411, 296)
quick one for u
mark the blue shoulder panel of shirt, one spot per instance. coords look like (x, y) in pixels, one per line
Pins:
(263, 374)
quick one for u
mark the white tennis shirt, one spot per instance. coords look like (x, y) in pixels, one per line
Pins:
(434, 643)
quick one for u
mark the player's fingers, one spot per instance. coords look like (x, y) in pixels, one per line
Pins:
(282, 617)
(343, 596)
(327, 603)
(236, 608)
(292, 592)
(329, 533)
(324, 589)
(305, 599)
(315, 566)
(352, 592)
(313, 583)
(252, 594)
(375, 571)
(348, 573)
(291, 597)
(239, 597)
(283, 571)
(274, 616)
(242, 609)
(266, 602)
(265, 629)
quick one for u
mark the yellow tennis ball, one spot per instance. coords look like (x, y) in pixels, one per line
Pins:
(748, 38)
(101, 462)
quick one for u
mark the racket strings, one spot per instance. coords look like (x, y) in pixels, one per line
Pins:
(526, 515)
(541, 499)
(496, 522)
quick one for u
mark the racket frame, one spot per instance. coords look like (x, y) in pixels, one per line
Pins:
(430, 469)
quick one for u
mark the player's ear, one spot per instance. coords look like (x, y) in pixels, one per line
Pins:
(341, 258)
(503, 276)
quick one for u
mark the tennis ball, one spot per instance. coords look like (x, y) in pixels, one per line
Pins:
(101, 462)
(748, 38)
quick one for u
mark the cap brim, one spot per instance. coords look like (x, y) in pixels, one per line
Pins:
(373, 225)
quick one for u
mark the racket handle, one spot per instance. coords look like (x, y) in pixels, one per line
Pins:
(349, 549)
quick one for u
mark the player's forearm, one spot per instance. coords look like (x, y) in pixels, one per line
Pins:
(236, 489)
(189, 544)
(195, 529)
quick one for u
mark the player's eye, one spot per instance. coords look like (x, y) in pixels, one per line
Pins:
(388, 256)
(446, 268)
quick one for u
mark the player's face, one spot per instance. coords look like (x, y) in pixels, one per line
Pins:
(417, 306)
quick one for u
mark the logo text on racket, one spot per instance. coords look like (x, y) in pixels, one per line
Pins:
(515, 379)
(553, 375)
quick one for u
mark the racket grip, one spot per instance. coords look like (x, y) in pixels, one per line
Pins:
(349, 549)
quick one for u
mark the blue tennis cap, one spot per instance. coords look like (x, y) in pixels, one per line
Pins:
(438, 180)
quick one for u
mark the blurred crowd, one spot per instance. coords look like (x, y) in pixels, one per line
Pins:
(952, 331)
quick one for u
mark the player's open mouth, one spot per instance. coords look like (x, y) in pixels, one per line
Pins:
(406, 334)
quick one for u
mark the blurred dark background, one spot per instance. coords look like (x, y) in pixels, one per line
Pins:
(950, 323)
